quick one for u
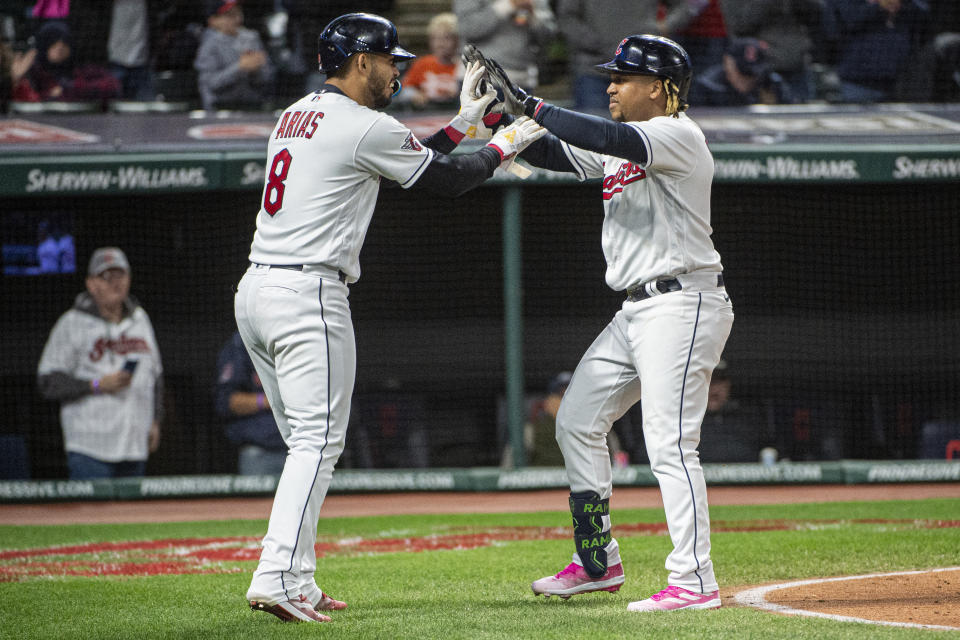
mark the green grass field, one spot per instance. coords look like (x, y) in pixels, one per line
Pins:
(484, 592)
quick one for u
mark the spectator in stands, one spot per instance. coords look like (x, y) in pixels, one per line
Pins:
(13, 65)
(102, 363)
(513, 32)
(128, 49)
(434, 79)
(703, 35)
(233, 69)
(743, 77)
(787, 26)
(285, 44)
(733, 430)
(540, 431)
(874, 38)
(591, 35)
(54, 76)
(240, 400)
(388, 429)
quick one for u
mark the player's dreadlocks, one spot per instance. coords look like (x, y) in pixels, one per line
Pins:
(673, 98)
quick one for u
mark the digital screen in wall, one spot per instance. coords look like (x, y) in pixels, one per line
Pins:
(38, 243)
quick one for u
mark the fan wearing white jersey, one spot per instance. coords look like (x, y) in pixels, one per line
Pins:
(327, 158)
(102, 363)
(662, 345)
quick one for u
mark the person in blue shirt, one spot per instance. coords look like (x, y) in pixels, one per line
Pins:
(877, 39)
(240, 400)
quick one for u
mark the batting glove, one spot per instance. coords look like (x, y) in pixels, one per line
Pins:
(516, 101)
(476, 98)
(510, 141)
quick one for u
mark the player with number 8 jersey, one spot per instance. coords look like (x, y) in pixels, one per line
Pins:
(327, 158)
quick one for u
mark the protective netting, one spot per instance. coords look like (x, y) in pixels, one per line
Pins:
(845, 342)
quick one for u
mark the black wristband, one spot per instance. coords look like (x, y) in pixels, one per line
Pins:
(531, 107)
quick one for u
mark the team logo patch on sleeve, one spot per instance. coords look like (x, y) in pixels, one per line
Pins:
(411, 144)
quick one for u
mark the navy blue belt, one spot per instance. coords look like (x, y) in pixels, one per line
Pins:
(299, 267)
(639, 292)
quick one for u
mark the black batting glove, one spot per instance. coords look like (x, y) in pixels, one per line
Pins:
(515, 100)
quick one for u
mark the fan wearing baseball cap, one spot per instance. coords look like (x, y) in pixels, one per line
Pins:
(744, 76)
(102, 364)
(233, 69)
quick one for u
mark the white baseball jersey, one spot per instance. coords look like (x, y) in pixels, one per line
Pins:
(656, 216)
(661, 350)
(324, 162)
(111, 427)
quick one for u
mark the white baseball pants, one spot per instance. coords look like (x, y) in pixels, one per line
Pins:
(662, 352)
(297, 327)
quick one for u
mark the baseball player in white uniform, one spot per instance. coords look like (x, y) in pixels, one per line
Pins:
(101, 362)
(326, 160)
(663, 344)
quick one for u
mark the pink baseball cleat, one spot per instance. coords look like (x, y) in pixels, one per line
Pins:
(299, 610)
(673, 598)
(574, 580)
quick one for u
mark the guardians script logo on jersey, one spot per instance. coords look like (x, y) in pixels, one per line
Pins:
(121, 346)
(627, 173)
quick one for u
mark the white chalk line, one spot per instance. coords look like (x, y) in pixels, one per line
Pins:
(756, 598)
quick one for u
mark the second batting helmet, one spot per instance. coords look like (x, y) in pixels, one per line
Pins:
(357, 33)
(653, 56)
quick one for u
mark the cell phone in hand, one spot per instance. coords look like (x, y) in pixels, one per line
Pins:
(130, 365)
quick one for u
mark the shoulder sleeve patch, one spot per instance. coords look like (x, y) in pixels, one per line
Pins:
(411, 144)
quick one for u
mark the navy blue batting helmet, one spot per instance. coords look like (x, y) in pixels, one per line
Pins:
(357, 33)
(653, 56)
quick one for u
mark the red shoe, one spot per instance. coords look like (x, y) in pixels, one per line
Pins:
(299, 610)
(574, 580)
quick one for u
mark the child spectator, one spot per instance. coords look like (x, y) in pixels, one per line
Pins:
(435, 78)
(233, 69)
(54, 76)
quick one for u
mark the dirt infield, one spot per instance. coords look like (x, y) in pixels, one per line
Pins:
(923, 598)
(186, 510)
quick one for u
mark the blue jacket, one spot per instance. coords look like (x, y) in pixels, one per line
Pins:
(235, 372)
(874, 49)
